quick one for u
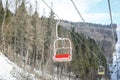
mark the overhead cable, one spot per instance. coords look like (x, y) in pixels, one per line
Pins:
(111, 24)
(78, 11)
(51, 9)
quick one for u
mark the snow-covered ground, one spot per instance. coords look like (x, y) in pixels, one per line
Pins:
(10, 71)
(5, 68)
(115, 68)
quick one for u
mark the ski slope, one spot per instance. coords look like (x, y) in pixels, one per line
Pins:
(5, 68)
(116, 59)
(10, 71)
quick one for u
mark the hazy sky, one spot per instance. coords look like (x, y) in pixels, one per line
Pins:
(95, 11)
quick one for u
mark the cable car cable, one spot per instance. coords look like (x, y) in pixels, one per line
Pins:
(77, 11)
(111, 20)
(51, 9)
(110, 11)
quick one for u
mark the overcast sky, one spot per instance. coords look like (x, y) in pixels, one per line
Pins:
(95, 11)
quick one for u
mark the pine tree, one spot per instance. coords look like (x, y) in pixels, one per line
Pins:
(19, 35)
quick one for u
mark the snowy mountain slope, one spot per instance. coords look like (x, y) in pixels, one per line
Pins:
(5, 68)
(10, 71)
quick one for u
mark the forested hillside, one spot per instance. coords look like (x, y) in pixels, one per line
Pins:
(27, 40)
(104, 35)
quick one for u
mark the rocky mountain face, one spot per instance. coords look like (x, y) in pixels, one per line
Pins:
(104, 35)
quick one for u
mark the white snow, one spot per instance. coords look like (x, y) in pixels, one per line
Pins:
(115, 68)
(5, 68)
(10, 71)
